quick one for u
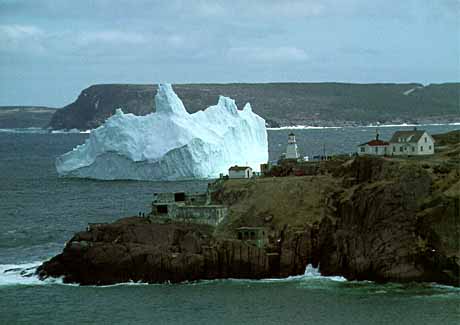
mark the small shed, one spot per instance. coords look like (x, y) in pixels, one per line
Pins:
(240, 172)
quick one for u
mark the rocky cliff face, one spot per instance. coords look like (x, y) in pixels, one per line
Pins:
(366, 219)
(133, 249)
(278, 103)
(388, 224)
(96, 103)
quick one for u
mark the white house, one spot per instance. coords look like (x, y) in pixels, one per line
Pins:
(374, 147)
(292, 151)
(411, 143)
(240, 172)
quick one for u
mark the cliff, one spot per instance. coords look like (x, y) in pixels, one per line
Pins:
(278, 103)
(366, 219)
(132, 249)
(393, 221)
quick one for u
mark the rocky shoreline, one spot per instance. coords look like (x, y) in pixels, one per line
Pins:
(375, 219)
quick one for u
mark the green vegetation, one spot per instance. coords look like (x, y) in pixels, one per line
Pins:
(279, 103)
(25, 116)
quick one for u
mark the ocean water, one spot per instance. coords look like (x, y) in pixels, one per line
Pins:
(40, 211)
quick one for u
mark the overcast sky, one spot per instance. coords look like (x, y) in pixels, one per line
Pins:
(50, 50)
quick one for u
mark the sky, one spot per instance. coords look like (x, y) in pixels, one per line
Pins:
(50, 50)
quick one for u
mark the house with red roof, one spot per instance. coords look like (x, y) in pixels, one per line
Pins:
(375, 147)
(402, 143)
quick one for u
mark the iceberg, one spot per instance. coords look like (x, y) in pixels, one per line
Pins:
(170, 144)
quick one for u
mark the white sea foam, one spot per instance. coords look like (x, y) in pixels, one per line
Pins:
(310, 273)
(71, 131)
(307, 127)
(23, 274)
(25, 130)
(410, 125)
(304, 127)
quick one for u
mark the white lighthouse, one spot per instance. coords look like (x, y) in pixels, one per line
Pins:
(291, 149)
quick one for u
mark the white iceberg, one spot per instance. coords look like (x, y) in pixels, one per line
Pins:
(170, 144)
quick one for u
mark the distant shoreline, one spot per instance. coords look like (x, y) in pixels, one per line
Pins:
(33, 130)
(308, 127)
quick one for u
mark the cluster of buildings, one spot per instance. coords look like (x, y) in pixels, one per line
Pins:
(402, 143)
(187, 208)
(198, 208)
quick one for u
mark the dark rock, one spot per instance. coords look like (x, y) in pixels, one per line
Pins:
(133, 250)
(381, 231)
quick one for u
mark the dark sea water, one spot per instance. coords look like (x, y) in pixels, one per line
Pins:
(40, 211)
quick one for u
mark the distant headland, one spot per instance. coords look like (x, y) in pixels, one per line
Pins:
(280, 104)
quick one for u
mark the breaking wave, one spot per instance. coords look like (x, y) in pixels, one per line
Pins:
(310, 273)
(23, 274)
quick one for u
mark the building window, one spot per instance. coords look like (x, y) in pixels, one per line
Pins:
(376, 149)
(162, 209)
(413, 149)
(429, 147)
(421, 148)
(179, 197)
(394, 149)
(363, 149)
(401, 149)
(240, 236)
(425, 140)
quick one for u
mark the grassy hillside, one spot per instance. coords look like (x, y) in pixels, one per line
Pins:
(25, 116)
(279, 103)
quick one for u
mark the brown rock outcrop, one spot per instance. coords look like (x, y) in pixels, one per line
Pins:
(387, 226)
(133, 249)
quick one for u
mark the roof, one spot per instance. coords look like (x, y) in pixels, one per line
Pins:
(375, 143)
(411, 136)
(239, 168)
